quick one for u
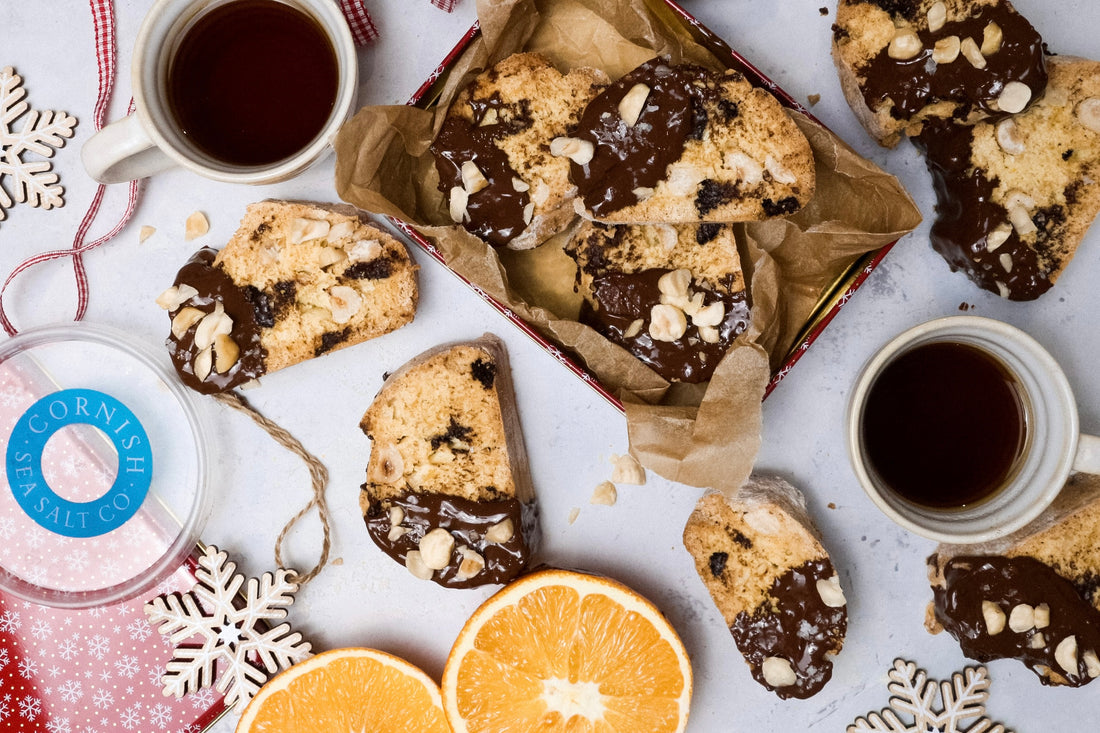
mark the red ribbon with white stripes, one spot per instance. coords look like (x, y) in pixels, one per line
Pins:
(106, 51)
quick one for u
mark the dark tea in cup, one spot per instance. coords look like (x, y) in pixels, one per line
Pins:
(944, 425)
(252, 82)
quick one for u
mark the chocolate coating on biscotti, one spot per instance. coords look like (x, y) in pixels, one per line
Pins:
(903, 63)
(492, 152)
(703, 146)
(795, 624)
(1015, 197)
(989, 605)
(448, 491)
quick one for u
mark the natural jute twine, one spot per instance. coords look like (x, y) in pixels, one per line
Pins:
(318, 476)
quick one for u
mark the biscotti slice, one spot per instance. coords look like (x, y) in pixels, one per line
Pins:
(901, 63)
(1033, 596)
(448, 491)
(296, 280)
(674, 296)
(760, 557)
(493, 151)
(1016, 197)
(681, 144)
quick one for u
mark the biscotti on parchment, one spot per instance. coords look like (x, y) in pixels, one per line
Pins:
(448, 491)
(296, 280)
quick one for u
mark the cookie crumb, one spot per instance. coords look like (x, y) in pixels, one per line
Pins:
(145, 232)
(196, 226)
(605, 493)
(823, 11)
(574, 513)
(813, 99)
(831, 505)
(337, 561)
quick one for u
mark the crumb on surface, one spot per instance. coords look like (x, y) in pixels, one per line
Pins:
(813, 99)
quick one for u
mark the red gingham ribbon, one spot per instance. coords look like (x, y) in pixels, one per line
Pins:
(363, 28)
(103, 18)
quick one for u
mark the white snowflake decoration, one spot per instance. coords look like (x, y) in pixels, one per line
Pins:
(962, 699)
(33, 182)
(231, 632)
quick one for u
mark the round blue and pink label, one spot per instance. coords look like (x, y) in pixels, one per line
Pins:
(117, 423)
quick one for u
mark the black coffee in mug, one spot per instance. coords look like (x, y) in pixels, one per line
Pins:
(944, 425)
(253, 82)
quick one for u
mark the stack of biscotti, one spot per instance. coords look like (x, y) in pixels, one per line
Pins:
(1011, 136)
(763, 563)
(666, 155)
(1032, 596)
(448, 491)
(296, 280)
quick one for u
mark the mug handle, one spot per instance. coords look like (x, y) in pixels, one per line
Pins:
(122, 152)
(1087, 459)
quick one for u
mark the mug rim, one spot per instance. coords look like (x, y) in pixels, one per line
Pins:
(164, 17)
(979, 523)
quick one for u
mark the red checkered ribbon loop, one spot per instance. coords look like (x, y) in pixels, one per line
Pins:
(363, 28)
(103, 18)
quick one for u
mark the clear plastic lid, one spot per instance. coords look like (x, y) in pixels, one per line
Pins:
(106, 466)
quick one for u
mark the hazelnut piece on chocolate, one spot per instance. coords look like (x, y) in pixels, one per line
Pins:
(175, 296)
(472, 564)
(904, 45)
(994, 618)
(415, 565)
(473, 180)
(1021, 618)
(971, 52)
(436, 547)
(456, 204)
(831, 593)
(992, 36)
(203, 363)
(212, 325)
(667, 322)
(778, 672)
(500, 532)
(1014, 97)
(183, 320)
(632, 104)
(577, 150)
(946, 50)
(226, 353)
(1042, 616)
(1092, 663)
(998, 236)
(1065, 654)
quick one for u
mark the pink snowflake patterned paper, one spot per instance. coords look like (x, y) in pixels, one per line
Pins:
(93, 671)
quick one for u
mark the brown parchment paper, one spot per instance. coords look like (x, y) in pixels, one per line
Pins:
(702, 435)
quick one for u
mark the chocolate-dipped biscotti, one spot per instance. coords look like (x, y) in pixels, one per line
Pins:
(680, 144)
(1033, 596)
(1015, 197)
(674, 296)
(493, 155)
(760, 557)
(902, 63)
(296, 280)
(448, 491)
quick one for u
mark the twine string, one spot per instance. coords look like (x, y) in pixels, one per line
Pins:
(318, 476)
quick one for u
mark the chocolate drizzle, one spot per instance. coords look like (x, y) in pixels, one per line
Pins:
(495, 213)
(966, 215)
(794, 624)
(634, 157)
(1008, 582)
(919, 81)
(215, 285)
(467, 521)
(623, 298)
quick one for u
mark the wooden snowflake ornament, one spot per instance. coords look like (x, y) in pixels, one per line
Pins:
(962, 699)
(232, 630)
(31, 181)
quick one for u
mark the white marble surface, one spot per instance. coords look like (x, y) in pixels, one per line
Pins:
(368, 600)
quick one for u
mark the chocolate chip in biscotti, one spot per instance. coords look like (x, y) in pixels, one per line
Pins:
(681, 144)
(674, 296)
(284, 290)
(902, 63)
(448, 492)
(1015, 197)
(773, 582)
(496, 171)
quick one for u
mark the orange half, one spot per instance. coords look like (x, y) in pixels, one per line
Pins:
(560, 651)
(347, 690)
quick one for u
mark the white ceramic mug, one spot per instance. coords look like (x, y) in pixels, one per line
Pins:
(149, 140)
(1054, 446)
